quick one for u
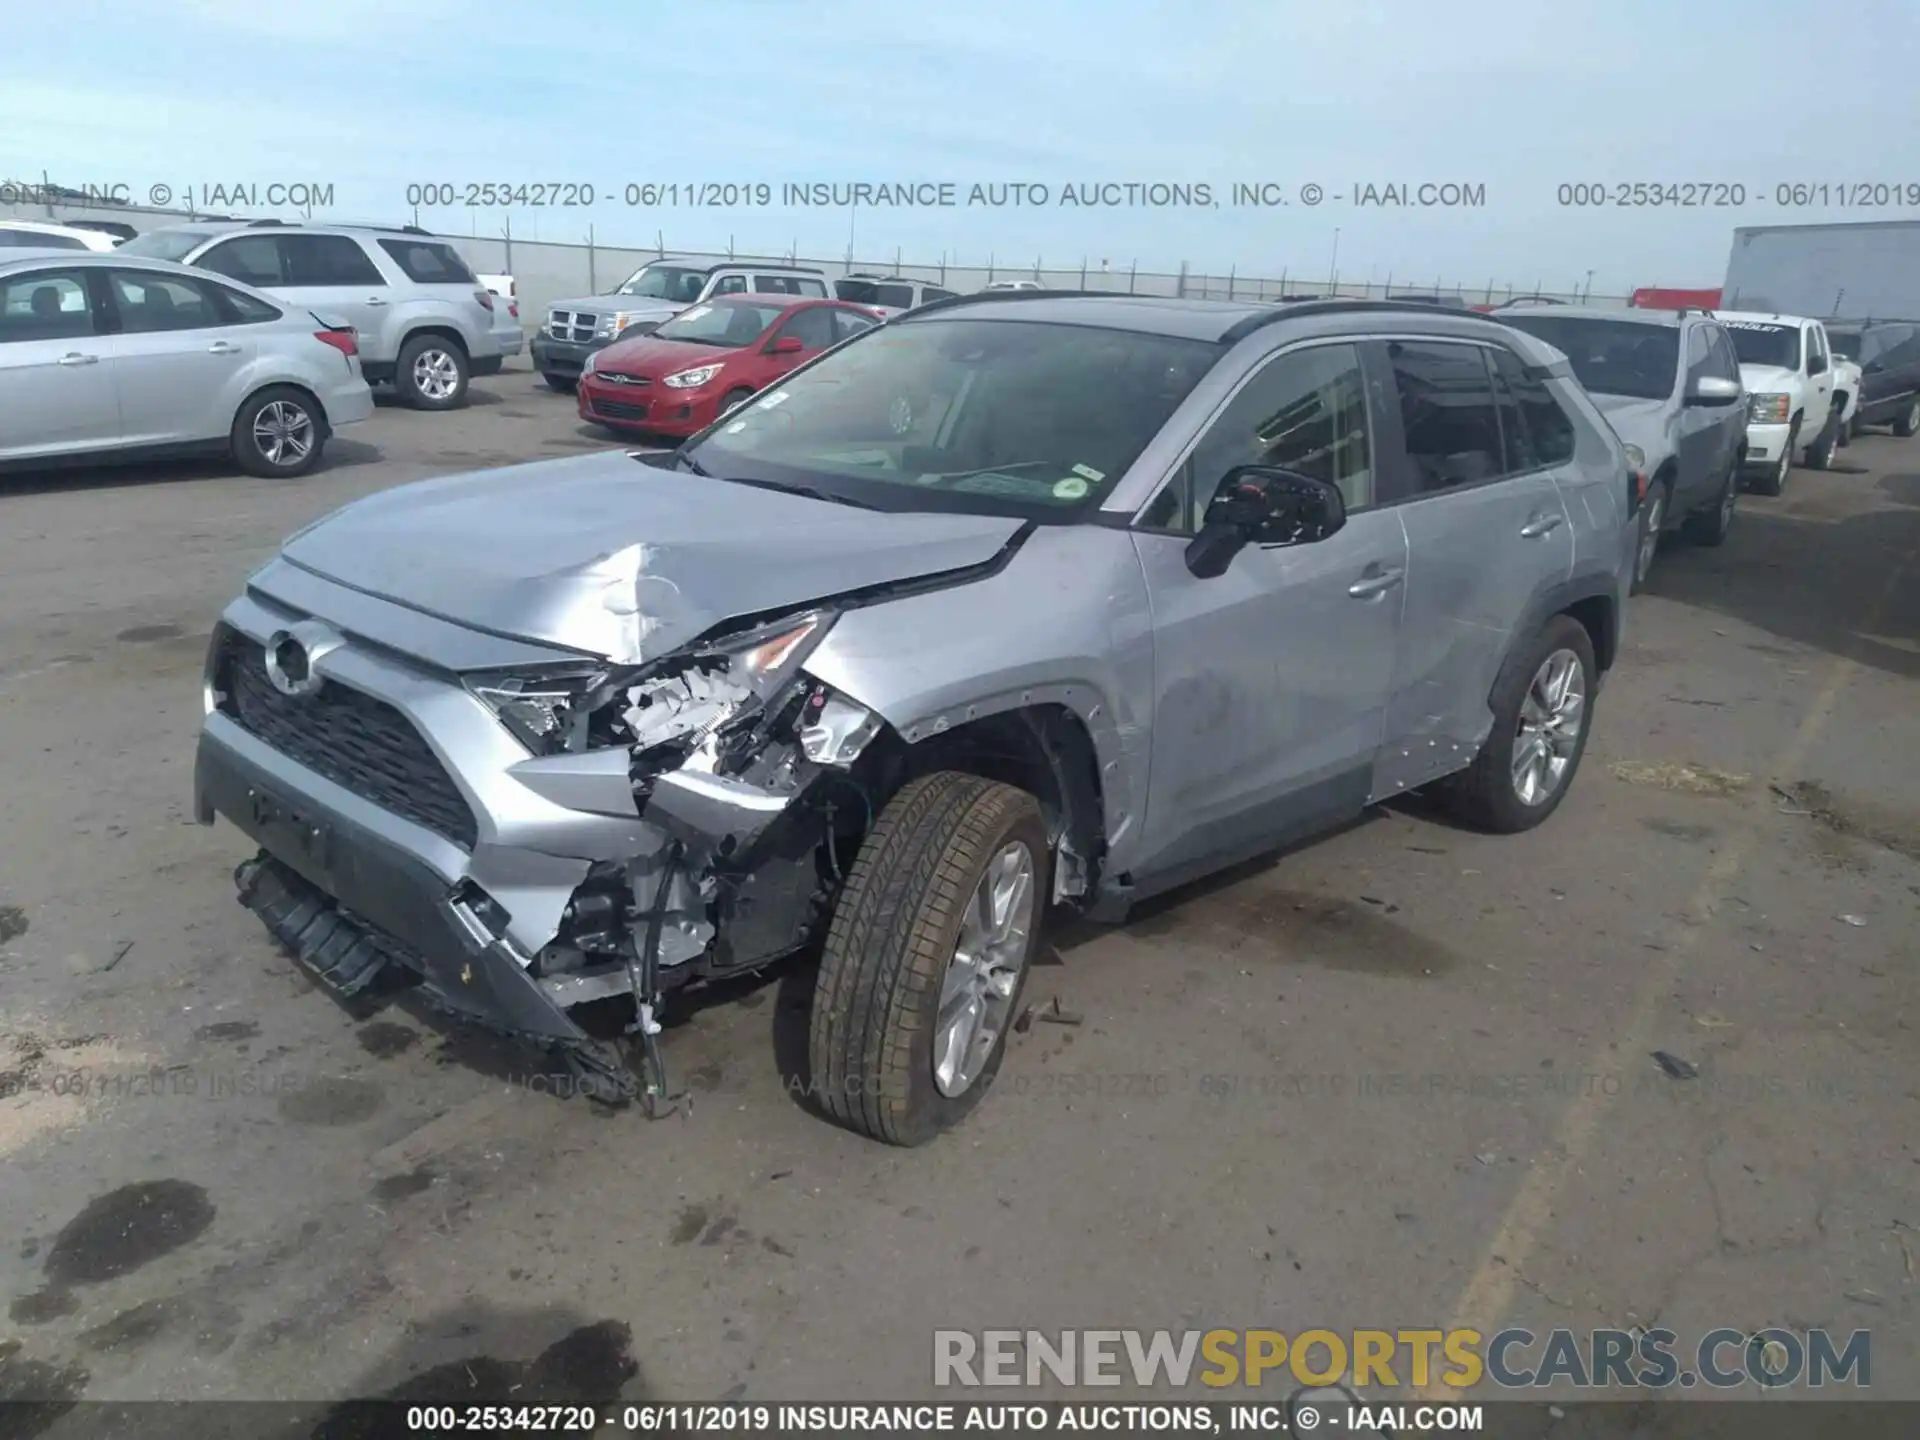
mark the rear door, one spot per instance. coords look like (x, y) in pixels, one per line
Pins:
(436, 271)
(177, 358)
(1487, 534)
(1890, 367)
(56, 385)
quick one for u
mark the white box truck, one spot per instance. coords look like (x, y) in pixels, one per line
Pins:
(1868, 270)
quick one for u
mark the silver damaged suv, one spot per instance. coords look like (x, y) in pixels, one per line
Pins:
(1021, 601)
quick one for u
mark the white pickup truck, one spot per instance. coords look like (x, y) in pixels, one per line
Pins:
(1787, 366)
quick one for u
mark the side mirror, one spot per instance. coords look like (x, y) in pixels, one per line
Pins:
(1263, 505)
(1816, 366)
(787, 345)
(1714, 390)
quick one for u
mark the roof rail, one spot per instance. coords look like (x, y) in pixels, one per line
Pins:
(983, 296)
(263, 224)
(1284, 311)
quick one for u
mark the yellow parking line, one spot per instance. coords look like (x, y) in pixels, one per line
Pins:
(1489, 1291)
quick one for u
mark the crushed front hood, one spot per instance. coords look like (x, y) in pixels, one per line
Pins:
(606, 555)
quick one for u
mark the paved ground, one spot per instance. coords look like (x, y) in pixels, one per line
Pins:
(1400, 1077)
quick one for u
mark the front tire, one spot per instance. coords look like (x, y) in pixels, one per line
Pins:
(1653, 524)
(1820, 453)
(278, 433)
(1909, 422)
(1542, 713)
(928, 953)
(432, 373)
(1773, 480)
(1709, 527)
(734, 399)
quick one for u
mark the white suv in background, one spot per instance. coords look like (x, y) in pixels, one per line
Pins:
(424, 321)
(1787, 367)
(37, 235)
(889, 295)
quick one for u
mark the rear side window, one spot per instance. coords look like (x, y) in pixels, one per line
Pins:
(250, 259)
(1544, 433)
(860, 292)
(814, 289)
(776, 285)
(243, 309)
(429, 262)
(846, 324)
(44, 305)
(729, 285)
(899, 297)
(150, 303)
(1447, 414)
(327, 260)
(934, 292)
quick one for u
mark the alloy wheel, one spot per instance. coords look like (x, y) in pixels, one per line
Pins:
(976, 994)
(1652, 523)
(436, 374)
(283, 433)
(1551, 716)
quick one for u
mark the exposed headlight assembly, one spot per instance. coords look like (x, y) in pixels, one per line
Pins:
(696, 691)
(1637, 458)
(1770, 409)
(544, 712)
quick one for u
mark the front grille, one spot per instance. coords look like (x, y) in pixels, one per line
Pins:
(573, 325)
(354, 740)
(619, 409)
(620, 377)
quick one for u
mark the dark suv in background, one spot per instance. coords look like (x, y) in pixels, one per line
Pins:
(1669, 382)
(1888, 353)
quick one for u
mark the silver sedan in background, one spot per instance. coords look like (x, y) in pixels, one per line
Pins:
(109, 356)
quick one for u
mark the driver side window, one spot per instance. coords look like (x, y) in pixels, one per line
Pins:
(1305, 410)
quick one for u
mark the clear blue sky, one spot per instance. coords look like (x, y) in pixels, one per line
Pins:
(1515, 95)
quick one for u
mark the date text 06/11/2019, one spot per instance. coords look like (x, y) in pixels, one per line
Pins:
(1730, 195)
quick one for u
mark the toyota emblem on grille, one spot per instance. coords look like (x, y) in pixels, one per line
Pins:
(291, 656)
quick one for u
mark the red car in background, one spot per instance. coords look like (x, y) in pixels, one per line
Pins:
(707, 359)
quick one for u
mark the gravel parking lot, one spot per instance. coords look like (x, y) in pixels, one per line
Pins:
(1400, 1077)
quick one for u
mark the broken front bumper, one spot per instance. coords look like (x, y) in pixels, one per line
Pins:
(345, 892)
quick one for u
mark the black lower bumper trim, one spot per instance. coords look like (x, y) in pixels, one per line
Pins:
(336, 952)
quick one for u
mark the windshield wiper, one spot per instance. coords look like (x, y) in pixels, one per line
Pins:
(789, 489)
(680, 457)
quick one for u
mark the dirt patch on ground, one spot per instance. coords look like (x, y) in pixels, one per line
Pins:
(47, 1085)
(1687, 779)
(1852, 819)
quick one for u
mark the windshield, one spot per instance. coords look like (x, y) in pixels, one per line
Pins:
(995, 417)
(665, 282)
(1845, 343)
(1611, 357)
(167, 244)
(731, 324)
(1756, 344)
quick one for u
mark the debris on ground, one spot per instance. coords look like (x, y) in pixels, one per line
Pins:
(119, 954)
(13, 923)
(1675, 1067)
(1854, 920)
(1711, 1021)
(1692, 779)
(1054, 1015)
(1025, 1022)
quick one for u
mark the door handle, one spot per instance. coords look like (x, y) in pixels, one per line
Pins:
(223, 347)
(76, 358)
(1369, 586)
(375, 300)
(1540, 525)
